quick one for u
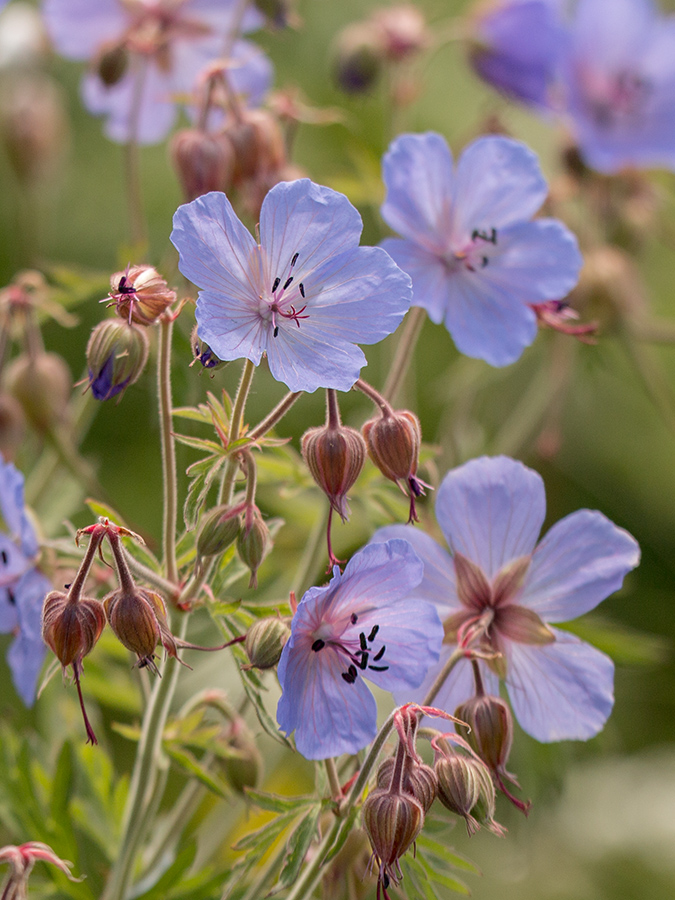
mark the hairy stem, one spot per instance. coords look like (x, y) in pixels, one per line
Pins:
(453, 659)
(169, 478)
(277, 414)
(404, 351)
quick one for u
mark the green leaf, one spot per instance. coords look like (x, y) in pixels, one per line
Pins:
(448, 856)
(193, 767)
(199, 443)
(263, 838)
(106, 511)
(417, 878)
(298, 845)
(62, 784)
(277, 804)
(454, 884)
(193, 413)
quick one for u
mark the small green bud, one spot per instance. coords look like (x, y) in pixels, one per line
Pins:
(42, 386)
(116, 355)
(265, 640)
(217, 532)
(253, 545)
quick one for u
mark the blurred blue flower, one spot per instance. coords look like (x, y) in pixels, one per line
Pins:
(476, 260)
(366, 623)
(516, 47)
(618, 82)
(22, 586)
(145, 55)
(304, 296)
(498, 590)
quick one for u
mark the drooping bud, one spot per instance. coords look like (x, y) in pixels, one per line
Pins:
(265, 640)
(418, 780)
(71, 628)
(491, 729)
(253, 544)
(12, 425)
(116, 355)
(42, 385)
(203, 162)
(403, 29)
(140, 295)
(459, 786)
(138, 619)
(393, 441)
(393, 821)
(258, 144)
(219, 529)
(335, 455)
(359, 58)
(239, 757)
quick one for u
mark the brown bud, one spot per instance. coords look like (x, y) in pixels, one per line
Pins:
(42, 386)
(459, 786)
(140, 295)
(265, 640)
(12, 425)
(203, 162)
(393, 821)
(112, 63)
(418, 780)
(335, 455)
(258, 144)
(138, 618)
(491, 729)
(71, 628)
(253, 545)
(217, 532)
(393, 442)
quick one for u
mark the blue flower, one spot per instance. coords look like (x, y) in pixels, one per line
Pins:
(618, 84)
(304, 296)
(476, 260)
(366, 623)
(22, 586)
(517, 46)
(498, 591)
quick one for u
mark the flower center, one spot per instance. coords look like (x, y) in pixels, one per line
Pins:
(282, 298)
(615, 99)
(476, 253)
(360, 653)
(155, 26)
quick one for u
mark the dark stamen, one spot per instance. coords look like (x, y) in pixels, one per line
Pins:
(302, 290)
(362, 641)
(378, 668)
(364, 660)
(276, 284)
(288, 282)
(4, 557)
(11, 597)
(484, 236)
(350, 675)
(373, 633)
(275, 333)
(380, 653)
(354, 618)
(294, 260)
(318, 645)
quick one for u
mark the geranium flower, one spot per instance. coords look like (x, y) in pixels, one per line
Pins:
(22, 586)
(499, 592)
(367, 623)
(516, 47)
(619, 84)
(304, 296)
(476, 260)
(146, 54)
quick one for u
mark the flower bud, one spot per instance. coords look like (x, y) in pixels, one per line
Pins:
(253, 545)
(202, 352)
(12, 426)
(258, 144)
(393, 821)
(459, 786)
(393, 442)
(203, 162)
(334, 455)
(42, 386)
(218, 531)
(265, 640)
(71, 628)
(359, 58)
(491, 729)
(134, 616)
(140, 295)
(403, 31)
(418, 780)
(116, 355)
(112, 63)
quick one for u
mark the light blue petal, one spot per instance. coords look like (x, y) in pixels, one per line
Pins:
(561, 691)
(305, 358)
(305, 218)
(491, 510)
(78, 28)
(379, 574)
(430, 276)
(25, 658)
(231, 327)
(498, 182)
(581, 560)
(418, 174)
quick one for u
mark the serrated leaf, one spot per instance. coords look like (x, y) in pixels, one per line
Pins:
(275, 803)
(199, 443)
(454, 884)
(193, 767)
(298, 845)
(193, 413)
(448, 856)
(263, 838)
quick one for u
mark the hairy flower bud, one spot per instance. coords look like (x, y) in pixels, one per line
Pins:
(217, 532)
(491, 729)
(418, 780)
(116, 355)
(359, 58)
(265, 640)
(42, 385)
(253, 545)
(140, 295)
(203, 162)
(459, 786)
(393, 821)
(335, 455)
(71, 628)
(137, 617)
(258, 144)
(393, 442)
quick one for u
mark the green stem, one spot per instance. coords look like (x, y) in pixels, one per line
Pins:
(170, 512)
(163, 585)
(236, 422)
(144, 777)
(333, 779)
(404, 351)
(275, 416)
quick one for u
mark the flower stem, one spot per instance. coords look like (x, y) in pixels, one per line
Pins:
(375, 396)
(333, 779)
(404, 351)
(236, 422)
(168, 449)
(453, 659)
(144, 777)
(275, 416)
